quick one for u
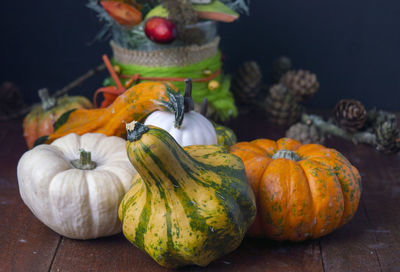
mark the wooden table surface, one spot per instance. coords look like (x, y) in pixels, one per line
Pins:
(369, 242)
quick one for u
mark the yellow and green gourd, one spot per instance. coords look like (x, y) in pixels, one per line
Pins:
(187, 205)
(225, 135)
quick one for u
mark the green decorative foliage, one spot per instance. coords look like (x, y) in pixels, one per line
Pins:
(63, 119)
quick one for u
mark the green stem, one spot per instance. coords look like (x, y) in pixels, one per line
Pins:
(135, 131)
(85, 161)
(47, 101)
(286, 154)
(331, 129)
(176, 105)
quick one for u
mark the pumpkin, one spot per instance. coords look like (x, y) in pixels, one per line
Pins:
(302, 191)
(134, 104)
(195, 128)
(39, 121)
(187, 205)
(74, 186)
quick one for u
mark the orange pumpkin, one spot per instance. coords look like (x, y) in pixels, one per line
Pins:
(302, 191)
(39, 121)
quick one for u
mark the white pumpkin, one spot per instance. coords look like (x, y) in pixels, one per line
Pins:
(76, 203)
(195, 129)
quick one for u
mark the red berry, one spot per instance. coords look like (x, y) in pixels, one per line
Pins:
(160, 30)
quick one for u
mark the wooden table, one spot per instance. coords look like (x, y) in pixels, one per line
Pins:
(370, 242)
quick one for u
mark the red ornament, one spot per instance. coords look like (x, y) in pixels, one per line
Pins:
(160, 30)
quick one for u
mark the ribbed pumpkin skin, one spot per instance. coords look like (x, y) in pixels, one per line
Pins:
(40, 122)
(186, 206)
(134, 104)
(302, 199)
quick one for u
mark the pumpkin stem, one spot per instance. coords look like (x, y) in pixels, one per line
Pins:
(204, 107)
(47, 101)
(286, 154)
(85, 161)
(188, 100)
(135, 130)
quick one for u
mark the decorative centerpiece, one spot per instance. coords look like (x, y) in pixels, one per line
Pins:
(169, 41)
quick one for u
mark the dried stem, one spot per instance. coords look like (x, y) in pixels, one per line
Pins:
(204, 107)
(331, 129)
(58, 93)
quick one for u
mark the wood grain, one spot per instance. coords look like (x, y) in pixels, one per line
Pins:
(25, 243)
(381, 175)
(113, 253)
(12, 146)
(119, 255)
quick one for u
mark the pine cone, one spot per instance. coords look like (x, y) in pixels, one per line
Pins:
(350, 114)
(279, 68)
(306, 134)
(246, 83)
(10, 99)
(387, 132)
(303, 83)
(281, 105)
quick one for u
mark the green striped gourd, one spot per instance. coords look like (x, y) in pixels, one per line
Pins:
(225, 135)
(187, 205)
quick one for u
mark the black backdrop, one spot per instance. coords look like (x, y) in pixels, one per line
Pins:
(353, 46)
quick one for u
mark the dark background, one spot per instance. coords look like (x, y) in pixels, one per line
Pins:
(352, 46)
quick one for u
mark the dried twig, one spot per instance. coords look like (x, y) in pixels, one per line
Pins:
(331, 129)
(58, 93)
(79, 80)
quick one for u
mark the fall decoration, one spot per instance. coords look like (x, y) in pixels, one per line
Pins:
(177, 64)
(74, 185)
(216, 11)
(302, 191)
(306, 134)
(40, 119)
(387, 132)
(247, 81)
(160, 30)
(281, 105)
(213, 85)
(350, 114)
(195, 128)
(201, 1)
(303, 83)
(18, 112)
(187, 205)
(124, 14)
(182, 14)
(11, 100)
(135, 104)
(131, 37)
(194, 50)
(185, 12)
(382, 131)
(328, 128)
(280, 67)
